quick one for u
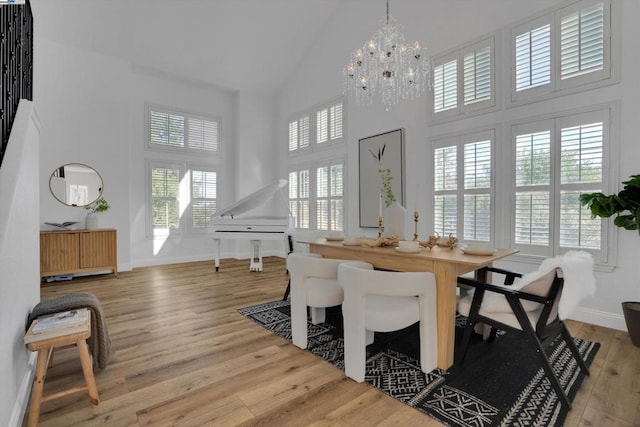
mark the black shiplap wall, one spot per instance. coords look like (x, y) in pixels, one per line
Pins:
(16, 64)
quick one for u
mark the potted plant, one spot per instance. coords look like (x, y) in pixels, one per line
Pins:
(626, 206)
(98, 206)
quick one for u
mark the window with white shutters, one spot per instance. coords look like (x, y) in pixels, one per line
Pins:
(299, 196)
(556, 160)
(183, 132)
(299, 138)
(330, 195)
(165, 198)
(203, 197)
(464, 80)
(317, 168)
(561, 50)
(463, 183)
(183, 197)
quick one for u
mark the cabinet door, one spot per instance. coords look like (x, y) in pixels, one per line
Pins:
(98, 249)
(58, 252)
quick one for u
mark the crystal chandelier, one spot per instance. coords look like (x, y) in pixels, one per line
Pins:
(386, 64)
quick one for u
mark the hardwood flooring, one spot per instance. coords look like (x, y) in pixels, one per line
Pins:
(183, 356)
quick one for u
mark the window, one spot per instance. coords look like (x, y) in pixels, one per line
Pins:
(183, 198)
(316, 195)
(330, 195)
(555, 161)
(325, 130)
(299, 133)
(316, 177)
(178, 131)
(560, 50)
(463, 186)
(299, 196)
(464, 80)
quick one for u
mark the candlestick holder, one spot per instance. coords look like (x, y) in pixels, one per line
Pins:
(380, 226)
(415, 226)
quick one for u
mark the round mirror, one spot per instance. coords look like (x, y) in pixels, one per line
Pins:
(75, 184)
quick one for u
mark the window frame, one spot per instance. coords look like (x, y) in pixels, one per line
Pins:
(606, 257)
(312, 113)
(557, 87)
(185, 149)
(462, 109)
(460, 141)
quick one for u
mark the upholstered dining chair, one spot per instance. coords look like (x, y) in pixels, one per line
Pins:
(296, 243)
(535, 306)
(314, 284)
(384, 301)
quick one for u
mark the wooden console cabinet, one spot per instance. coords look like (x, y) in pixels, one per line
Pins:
(78, 251)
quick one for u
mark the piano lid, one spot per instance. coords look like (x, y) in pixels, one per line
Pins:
(253, 200)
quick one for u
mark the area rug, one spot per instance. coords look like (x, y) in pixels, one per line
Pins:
(500, 384)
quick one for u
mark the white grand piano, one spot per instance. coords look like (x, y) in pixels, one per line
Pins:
(229, 223)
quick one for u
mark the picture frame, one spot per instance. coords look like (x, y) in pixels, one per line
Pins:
(389, 146)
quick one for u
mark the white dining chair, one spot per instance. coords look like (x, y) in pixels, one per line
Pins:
(314, 284)
(385, 301)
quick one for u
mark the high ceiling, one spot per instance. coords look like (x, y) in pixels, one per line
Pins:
(234, 44)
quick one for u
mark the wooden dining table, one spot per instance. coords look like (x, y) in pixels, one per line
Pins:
(446, 264)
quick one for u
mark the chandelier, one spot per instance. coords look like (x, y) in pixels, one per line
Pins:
(386, 64)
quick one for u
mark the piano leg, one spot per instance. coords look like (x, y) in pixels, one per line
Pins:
(256, 259)
(217, 256)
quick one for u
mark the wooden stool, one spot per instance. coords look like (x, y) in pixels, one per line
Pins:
(45, 348)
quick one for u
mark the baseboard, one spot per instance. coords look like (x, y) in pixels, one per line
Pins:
(24, 393)
(177, 260)
(600, 318)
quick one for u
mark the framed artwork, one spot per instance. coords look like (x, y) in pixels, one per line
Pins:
(380, 152)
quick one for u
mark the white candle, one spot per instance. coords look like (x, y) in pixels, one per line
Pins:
(417, 193)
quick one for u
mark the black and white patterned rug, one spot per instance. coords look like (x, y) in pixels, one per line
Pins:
(500, 384)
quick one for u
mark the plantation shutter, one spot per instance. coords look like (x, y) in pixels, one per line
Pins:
(533, 58)
(322, 125)
(335, 122)
(299, 196)
(299, 133)
(581, 160)
(582, 41)
(477, 76)
(203, 198)
(166, 129)
(445, 86)
(533, 188)
(477, 191)
(165, 192)
(202, 134)
(445, 209)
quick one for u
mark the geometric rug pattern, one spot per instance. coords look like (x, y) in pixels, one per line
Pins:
(500, 384)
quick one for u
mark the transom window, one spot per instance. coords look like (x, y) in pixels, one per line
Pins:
(173, 130)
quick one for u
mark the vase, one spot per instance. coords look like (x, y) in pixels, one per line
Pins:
(394, 220)
(631, 311)
(91, 221)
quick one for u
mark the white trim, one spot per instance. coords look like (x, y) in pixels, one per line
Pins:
(24, 392)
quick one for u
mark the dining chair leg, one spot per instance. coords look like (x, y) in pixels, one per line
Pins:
(286, 291)
(574, 350)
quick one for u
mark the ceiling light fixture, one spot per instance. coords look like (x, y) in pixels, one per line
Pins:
(386, 64)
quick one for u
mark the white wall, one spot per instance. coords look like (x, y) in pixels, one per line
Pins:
(20, 260)
(165, 90)
(441, 26)
(83, 102)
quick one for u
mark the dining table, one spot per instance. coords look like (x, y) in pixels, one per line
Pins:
(445, 263)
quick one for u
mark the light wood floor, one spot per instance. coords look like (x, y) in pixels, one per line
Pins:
(182, 355)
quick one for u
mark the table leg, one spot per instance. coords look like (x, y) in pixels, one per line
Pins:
(446, 280)
(217, 255)
(38, 387)
(87, 369)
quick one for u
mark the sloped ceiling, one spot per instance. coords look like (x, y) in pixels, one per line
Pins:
(235, 44)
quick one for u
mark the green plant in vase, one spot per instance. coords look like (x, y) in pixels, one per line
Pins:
(385, 176)
(625, 205)
(99, 206)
